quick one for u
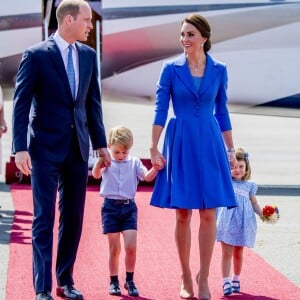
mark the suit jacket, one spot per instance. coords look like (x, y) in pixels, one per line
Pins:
(43, 92)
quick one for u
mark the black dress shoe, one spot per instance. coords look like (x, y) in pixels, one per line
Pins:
(132, 290)
(44, 296)
(68, 292)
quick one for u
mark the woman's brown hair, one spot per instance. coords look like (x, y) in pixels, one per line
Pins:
(202, 26)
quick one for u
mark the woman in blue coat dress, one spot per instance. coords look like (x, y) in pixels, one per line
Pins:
(198, 146)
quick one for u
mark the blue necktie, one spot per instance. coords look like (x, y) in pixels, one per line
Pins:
(71, 71)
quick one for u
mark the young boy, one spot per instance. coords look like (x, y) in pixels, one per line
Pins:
(119, 211)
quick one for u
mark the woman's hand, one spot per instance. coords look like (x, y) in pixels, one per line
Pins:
(232, 159)
(157, 159)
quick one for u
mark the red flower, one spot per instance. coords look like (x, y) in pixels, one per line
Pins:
(268, 211)
(270, 214)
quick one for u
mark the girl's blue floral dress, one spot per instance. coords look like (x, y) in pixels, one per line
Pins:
(237, 226)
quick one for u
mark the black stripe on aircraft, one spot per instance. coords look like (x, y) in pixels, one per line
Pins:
(21, 21)
(289, 102)
(146, 11)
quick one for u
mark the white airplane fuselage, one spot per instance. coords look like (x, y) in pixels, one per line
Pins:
(258, 40)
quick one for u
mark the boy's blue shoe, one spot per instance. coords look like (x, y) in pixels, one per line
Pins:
(227, 289)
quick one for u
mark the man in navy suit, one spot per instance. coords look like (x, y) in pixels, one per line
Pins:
(52, 122)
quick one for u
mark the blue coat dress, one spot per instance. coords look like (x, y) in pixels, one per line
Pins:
(197, 173)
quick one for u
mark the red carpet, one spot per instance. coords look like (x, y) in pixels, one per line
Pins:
(157, 271)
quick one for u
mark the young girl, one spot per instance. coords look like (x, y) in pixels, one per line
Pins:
(236, 227)
(119, 210)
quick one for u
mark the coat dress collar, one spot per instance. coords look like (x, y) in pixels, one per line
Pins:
(210, 74)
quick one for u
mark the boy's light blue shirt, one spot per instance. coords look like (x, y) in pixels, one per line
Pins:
(121, 179)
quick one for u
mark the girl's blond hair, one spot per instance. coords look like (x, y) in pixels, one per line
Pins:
(241, 155)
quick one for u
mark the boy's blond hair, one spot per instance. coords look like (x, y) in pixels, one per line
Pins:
(120, 135)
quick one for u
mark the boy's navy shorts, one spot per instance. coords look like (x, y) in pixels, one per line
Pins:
(118, 215)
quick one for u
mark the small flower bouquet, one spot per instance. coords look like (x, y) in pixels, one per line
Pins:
(270, 214)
